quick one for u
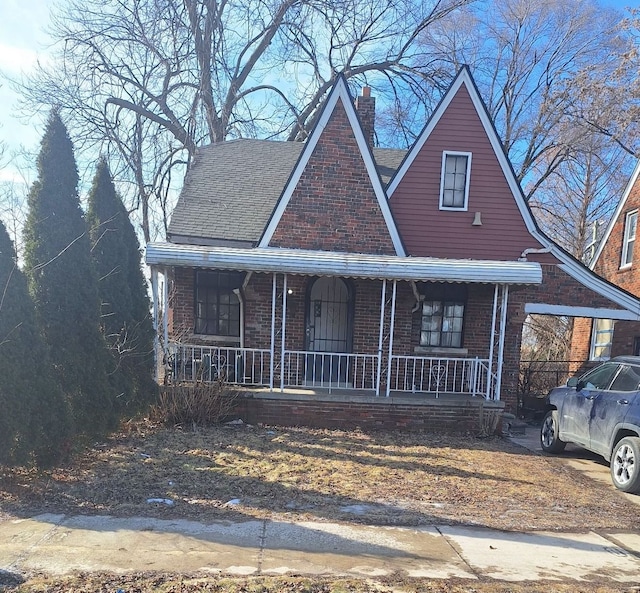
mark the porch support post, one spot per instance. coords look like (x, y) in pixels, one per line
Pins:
(165, 310)
(284, 326)
(381, 337)
(491, 341)
(503, 328)
(391, 327)
(273, 331)
(156, 337)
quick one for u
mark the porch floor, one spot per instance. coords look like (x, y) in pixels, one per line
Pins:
(319, 394)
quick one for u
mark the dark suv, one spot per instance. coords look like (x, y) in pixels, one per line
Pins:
(600, 412)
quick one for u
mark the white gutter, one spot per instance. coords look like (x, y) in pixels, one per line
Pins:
(347, 265)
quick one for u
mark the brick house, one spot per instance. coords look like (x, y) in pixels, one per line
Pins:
(338, 283)
(597, 339)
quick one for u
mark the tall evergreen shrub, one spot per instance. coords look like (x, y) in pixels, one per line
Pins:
(64, 285)
(125, 306)
(35, 422)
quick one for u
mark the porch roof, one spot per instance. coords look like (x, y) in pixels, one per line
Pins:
(349, 265)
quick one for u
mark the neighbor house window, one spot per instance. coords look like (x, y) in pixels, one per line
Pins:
(629, 239)
(601, 339)
(454, 183)
(217, 306)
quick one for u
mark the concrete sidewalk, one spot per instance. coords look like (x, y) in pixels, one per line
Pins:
(58, 544)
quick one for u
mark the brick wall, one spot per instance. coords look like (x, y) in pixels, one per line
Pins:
(181, 303)
(333, 206)
(608, 264)
(580, 343)
(475, 416)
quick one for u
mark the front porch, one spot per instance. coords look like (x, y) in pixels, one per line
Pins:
(371, 327)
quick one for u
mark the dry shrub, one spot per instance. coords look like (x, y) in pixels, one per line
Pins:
(194, 404)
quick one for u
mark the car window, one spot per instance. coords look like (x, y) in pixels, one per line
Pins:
(600, 377)
(627, 380)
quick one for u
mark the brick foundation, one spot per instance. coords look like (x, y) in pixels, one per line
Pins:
(454, 415)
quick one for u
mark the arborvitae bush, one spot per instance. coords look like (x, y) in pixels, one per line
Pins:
(64, 285)
(125, 306)
(35, 422)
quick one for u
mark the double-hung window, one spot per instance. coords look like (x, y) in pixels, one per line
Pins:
(629, 239)
(601, 339)
(454, 181)
(217, 305)
(443, 318)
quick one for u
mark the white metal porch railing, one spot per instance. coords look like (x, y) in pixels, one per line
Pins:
(440, 376)
(241, 366)
(330, 370)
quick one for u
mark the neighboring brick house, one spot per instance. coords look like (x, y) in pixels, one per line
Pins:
(341, 284)
(616, 260)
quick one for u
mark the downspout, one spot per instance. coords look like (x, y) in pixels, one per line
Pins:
(523, 255)
(419, 297)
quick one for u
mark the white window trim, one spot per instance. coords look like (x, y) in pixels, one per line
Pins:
(593, 345)
(445, 154)
(626, 239)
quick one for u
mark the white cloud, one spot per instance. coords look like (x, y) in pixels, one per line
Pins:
(14, 60)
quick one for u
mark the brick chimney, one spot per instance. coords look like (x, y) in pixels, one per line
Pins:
(366, 108)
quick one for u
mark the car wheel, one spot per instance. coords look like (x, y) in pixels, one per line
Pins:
(549, 440)
(625, 465)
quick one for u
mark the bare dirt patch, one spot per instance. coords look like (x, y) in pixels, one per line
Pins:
(240, 472)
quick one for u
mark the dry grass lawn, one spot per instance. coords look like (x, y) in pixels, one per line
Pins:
(242, 472)
(387, 478)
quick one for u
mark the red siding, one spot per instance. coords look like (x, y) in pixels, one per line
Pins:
(428, 231)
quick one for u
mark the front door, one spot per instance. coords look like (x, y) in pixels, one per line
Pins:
(328, 330)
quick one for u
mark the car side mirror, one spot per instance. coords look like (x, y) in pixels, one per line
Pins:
(573, 382)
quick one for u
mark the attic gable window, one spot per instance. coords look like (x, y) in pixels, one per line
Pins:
(630, 224)
(454, 181)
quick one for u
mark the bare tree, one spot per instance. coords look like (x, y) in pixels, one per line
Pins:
(151, 80)
(550, 71)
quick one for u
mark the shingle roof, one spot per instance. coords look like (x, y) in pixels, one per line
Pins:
(232, 188)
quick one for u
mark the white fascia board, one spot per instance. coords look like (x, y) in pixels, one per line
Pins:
(339, 92)
(591, 312)
(464, 78)
(600, 286)
(350, 265)
(616, 214)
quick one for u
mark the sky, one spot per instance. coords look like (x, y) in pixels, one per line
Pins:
(23, 41)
